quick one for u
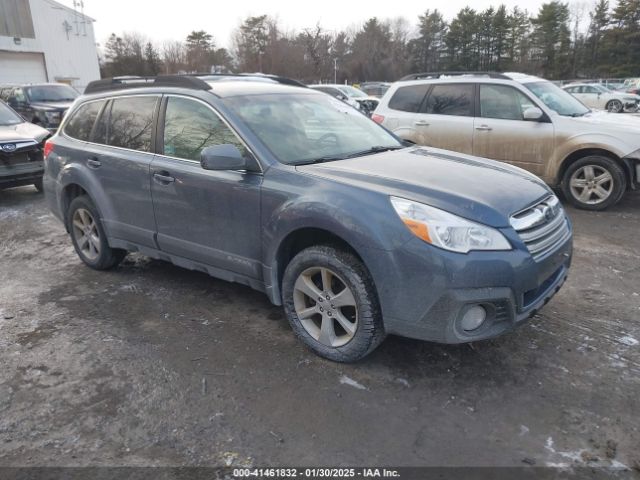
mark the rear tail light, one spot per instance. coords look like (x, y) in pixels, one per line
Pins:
(48, 147)
(377, 118)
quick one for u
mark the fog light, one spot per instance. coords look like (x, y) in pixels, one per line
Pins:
(473, 318)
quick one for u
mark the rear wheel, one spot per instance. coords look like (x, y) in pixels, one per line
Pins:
(594, 183)
(331, 303)
(38, 185)
(88, 236)
(614, 106)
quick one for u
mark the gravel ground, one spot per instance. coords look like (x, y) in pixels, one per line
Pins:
(150, 364)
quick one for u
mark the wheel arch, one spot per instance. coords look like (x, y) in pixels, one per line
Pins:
(585, 152)
(74, 187)
(296, 241)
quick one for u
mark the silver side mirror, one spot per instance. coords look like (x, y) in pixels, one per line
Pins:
(532, 114)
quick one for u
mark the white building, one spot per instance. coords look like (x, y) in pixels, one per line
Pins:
(45, 41)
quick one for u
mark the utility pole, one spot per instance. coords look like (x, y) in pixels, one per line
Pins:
(335, 70)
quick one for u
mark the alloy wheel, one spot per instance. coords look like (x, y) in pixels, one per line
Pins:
(591, 184)
(325, 306)
(86, 234)
(615, 106)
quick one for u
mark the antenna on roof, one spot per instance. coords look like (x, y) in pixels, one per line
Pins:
(79, 4)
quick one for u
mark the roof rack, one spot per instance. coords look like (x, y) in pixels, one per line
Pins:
(275, 78)
(119, 83)
(426, 75)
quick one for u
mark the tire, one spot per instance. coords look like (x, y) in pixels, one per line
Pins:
(88, 235)
(38, 185)
(582, 188)
(614, 106)
(364, 317)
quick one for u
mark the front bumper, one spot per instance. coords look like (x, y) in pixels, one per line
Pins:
(18, 175)
(427, 291)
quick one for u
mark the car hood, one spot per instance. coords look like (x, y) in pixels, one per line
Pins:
(51, 105)
(478, 189)
(22, 131)
(614, 121)
(622, 95)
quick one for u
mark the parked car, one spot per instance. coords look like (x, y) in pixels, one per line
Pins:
(524, 120)
(298, 195)
(632, 85)
(43, 104)
(601, 98)
(350, 95)
(375, 89)
(21, 149)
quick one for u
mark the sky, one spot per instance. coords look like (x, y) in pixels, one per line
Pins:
(173, 20)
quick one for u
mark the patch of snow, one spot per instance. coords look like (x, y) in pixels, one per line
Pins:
(344, 380)
(523, 430)
(628, 340)
(6, 213)
(403, 381)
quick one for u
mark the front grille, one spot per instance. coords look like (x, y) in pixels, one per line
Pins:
(542, 227)
(22, 151)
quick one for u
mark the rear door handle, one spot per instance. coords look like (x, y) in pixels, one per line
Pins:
(484, 128)
(94, 163)
(163, 178)
(421, 123)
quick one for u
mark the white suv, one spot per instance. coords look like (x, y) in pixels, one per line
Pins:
(523, 120)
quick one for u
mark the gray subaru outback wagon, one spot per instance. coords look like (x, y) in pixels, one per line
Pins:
(298, 195)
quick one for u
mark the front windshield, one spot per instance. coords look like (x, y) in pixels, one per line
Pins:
(352, 92)
(305, 127)
(51, 93)
(557, 99)
(8, 116)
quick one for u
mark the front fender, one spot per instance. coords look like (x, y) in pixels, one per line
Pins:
(586, 141)
(363, 219)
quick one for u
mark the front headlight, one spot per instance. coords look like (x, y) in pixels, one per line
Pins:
(445, 230)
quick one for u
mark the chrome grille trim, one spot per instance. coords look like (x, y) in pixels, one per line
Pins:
(542, 227)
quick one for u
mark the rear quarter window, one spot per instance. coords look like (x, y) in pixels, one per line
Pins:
(408, 99)
(81, 122)
(451, 99)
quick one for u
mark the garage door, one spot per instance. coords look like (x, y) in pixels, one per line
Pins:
(19, 67)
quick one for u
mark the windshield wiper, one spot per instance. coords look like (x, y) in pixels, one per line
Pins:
(331, 158)
(372, 150)
(328, 158)
(574, 115)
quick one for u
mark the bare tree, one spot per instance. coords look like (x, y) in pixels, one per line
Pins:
(173, 56)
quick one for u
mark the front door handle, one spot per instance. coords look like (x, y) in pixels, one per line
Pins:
(93, 163)
(163, 178)
(485, 128)
(421, 123)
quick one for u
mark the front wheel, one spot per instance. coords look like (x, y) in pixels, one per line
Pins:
(331, 303)
(594, 183)
(38, 185)
(88, 236)
(614, 106)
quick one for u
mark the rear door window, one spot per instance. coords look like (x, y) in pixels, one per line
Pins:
(131, 122)
(451, 99)
(82, 120)
(408, 99)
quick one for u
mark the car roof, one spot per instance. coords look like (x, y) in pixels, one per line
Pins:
(234, 88)
(222, 89)
(475, 77)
